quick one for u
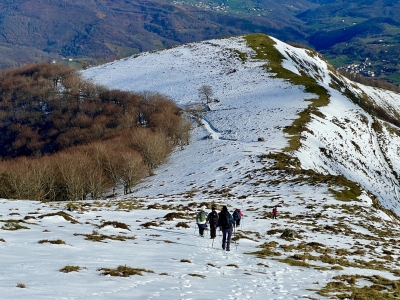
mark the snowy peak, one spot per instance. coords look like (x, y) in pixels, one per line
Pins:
(288, 97)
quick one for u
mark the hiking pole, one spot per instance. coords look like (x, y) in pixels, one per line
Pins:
(234, 235)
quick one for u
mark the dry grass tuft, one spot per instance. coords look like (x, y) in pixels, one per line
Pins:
(183, 224)
(115, 224)
(123, 271)
(57, 242)
(197, 275)
(63, 214)
(68, 269)
(97, 237)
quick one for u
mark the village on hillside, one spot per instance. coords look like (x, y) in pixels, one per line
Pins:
(220, 7)
(363, 68)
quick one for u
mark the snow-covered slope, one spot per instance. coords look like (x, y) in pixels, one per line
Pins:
(340, 140)
(239, 156)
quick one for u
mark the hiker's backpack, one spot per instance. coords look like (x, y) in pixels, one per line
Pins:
(236, 215)
(214, 218)
(225, 220)
(201, 217)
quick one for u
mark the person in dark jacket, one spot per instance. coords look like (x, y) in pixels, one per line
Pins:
(237, 216)
(225, 222)
(212, 219)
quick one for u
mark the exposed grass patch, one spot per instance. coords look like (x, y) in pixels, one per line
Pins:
(183, 224)
(97, 237)
(346, 286)
(349, 191)
(185, 261)
(63, 214)
(69, 268)
(196, 275)
(295, 262)
(55, 242)
(241, 235)
(267, 250)
(115, 224)
(123, 271)
(129, 205)
(242, 55)
(265, 50)
(233, 265)
(2, 240)
(72, 206)
(13, 225)
(148, 224)
(21, 285)
(175, 215)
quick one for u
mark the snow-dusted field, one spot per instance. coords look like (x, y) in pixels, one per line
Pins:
(224, 164)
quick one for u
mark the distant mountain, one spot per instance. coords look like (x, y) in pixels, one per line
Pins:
(33, 31)
(93, 32)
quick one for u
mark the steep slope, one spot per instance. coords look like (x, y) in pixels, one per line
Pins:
(338, 137)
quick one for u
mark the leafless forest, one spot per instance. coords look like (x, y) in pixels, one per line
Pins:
(63, 138)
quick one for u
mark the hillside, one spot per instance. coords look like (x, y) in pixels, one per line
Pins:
(360, 36)
(92, 32)
(274, 138)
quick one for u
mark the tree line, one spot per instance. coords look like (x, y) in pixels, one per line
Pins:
(63, 138)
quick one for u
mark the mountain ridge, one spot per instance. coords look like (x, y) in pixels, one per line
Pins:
(324, 88)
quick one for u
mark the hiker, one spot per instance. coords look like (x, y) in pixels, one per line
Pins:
(212, 219)
(274, 212)
(201, 220)
(225, 222)
(237, 216)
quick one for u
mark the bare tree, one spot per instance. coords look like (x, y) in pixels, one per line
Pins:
(153, 146)
(206, 93)
(132, 169)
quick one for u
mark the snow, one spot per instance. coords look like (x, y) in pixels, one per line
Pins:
(224, 164)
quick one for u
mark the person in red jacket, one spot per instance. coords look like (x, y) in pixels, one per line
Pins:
(274, 212)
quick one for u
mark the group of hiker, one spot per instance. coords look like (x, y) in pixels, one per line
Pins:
(222, 220)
